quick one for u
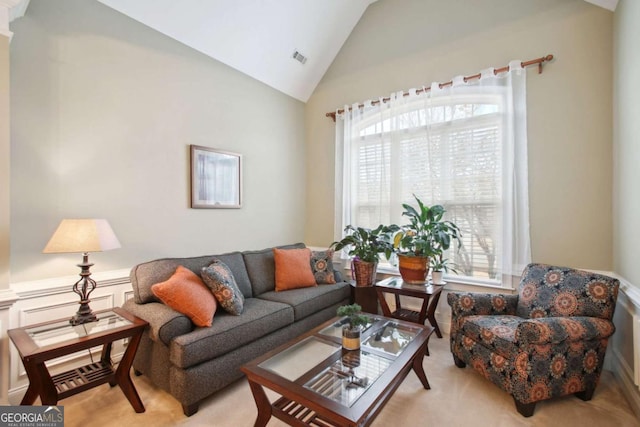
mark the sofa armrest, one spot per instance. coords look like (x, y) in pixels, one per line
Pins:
(338, 276)
(469, 304)
(553, 330)
(164, 323)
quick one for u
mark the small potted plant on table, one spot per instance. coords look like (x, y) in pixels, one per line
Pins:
(439, 265)
(355, 321)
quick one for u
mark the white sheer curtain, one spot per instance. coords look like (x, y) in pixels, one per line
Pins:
(463, 146)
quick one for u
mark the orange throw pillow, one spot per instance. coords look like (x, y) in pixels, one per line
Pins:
(293, 269)
(186, 293)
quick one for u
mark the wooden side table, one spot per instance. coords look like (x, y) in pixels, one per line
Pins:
(45, 341)
(366, 297)
(397, 287)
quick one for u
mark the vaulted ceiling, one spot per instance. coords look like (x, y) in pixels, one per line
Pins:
(256, 37)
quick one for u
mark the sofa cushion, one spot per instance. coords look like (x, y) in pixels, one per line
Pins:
(293, 269)
(219, 279)
(261, 268)
(260, 317)
(310, 300)
(553, 330)
(497, 333)
(185, 292)
(145, 275)
(322, 267)
(504, 335)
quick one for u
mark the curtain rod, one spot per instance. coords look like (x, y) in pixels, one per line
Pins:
(538, 61)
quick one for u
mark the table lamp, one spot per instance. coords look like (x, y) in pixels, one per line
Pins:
(83, 236)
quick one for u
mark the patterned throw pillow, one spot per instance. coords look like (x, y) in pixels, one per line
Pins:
(322, 266)
(185, 293)
(219, 279)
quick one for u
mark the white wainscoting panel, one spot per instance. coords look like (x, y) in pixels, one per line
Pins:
(7, 299)
(625, 343)
(636, 344)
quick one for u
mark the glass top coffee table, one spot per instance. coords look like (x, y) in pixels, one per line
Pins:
(323, 385)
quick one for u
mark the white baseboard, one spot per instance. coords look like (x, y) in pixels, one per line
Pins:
(624, 373)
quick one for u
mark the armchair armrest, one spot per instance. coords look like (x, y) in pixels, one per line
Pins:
(164, 323)
(470, 303)
(553, 330)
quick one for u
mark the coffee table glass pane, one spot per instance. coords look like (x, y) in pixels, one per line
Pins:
(61, 331)
(299, 358)
(335, 329)
(391, 338)
(349, 377)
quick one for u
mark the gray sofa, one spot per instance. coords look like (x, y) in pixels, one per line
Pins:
(192, 362)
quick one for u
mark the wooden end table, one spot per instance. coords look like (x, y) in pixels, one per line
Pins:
(365, 296)
(49, 340)
(397, 287)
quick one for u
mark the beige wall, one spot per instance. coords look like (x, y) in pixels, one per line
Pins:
(103, 112)
(399, 44)
(4, 163)
(626, 170)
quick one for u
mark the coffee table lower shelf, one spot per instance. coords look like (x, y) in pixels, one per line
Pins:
(296, 414)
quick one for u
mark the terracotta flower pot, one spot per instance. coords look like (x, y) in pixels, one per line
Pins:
(414, 269)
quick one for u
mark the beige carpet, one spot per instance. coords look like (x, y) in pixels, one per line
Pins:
(458, 397)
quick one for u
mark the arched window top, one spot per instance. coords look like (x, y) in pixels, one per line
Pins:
(422, 111)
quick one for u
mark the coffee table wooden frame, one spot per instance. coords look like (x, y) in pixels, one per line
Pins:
(53, 388)
(300, 406)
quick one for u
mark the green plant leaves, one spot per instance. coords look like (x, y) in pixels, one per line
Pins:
(425, 235)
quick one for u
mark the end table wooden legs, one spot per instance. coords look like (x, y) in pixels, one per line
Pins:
(431, 314)
(40, 384)
(122, 374)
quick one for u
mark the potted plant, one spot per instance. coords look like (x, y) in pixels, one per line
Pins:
(439, 265)
(364, 245)
(426, 236)
(351, 330)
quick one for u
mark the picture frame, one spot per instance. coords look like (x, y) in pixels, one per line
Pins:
(216, 178)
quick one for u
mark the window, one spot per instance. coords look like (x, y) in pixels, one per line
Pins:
(453, 147)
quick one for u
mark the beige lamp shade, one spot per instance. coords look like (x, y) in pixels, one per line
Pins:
(82, 235)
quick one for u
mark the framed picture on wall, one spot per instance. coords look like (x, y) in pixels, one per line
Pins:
(216, 178)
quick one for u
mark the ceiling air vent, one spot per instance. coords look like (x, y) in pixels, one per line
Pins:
(299, 57)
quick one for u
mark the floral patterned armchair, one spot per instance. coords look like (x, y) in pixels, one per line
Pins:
(547, 341)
